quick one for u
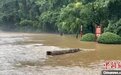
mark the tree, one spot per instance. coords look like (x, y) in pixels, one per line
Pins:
(47, 21)
(69, 19)
(114, 7)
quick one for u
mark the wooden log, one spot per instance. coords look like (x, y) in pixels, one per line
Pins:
(66, 51)
(62, 52)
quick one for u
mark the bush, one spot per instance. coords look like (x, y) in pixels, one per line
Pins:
(26, 23)
(109, 38)
(88, 37)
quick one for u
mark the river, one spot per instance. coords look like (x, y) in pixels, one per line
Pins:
(25, 54)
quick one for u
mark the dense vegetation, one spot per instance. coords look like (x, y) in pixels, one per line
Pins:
(109, 38)
(88, 37)
(61, 15)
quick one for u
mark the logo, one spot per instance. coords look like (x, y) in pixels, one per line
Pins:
(111, 72)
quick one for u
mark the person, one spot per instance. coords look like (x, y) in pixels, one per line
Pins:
(61, 33)
(77, 36)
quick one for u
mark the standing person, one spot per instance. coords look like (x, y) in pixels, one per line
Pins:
(81, 30)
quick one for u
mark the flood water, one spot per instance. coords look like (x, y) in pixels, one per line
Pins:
(25, 54)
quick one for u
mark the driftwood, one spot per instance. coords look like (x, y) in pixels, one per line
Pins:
(63, 51)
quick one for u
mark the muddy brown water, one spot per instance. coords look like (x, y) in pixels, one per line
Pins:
(25, 54)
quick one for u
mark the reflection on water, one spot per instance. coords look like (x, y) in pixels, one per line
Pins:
(25, 54)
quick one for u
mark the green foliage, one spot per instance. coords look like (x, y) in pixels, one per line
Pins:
(62, 15)
(26, 23)
(109, 38)
(10, 18)
(118, 27)
(114, 27)
(68, 20)
(114, 7)
(28, 26)
(47, 20)
(88, 37)
(100, 12)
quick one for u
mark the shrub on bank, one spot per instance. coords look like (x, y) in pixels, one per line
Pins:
(109, 38)
(88, 37)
